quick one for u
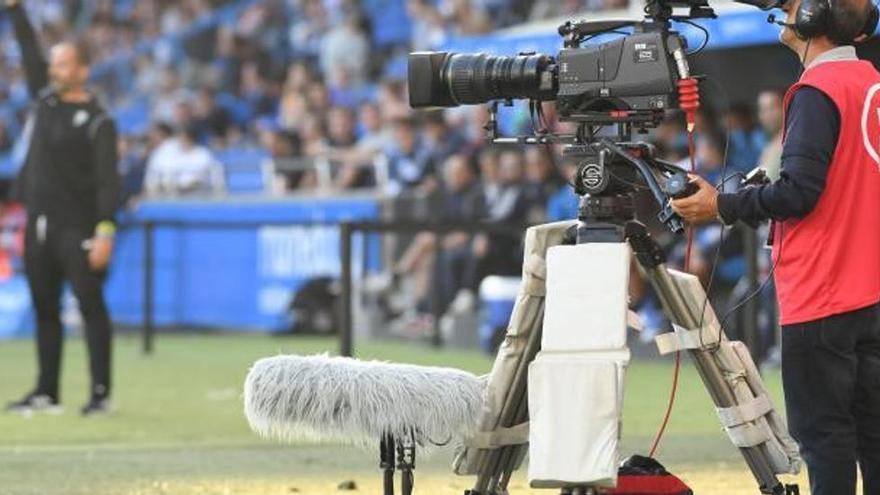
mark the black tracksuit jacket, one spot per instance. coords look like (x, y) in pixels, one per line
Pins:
(70, 176)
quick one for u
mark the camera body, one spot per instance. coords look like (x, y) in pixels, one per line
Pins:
(625, 78)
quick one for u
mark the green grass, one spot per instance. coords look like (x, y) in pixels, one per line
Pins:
(179, 427)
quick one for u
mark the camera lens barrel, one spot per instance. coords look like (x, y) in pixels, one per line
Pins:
(450, 79)
(481, 78)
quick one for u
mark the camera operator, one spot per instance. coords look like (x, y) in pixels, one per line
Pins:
(826, 244)
(71, 189)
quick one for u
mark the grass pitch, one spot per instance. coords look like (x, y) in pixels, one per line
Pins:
(179, 428)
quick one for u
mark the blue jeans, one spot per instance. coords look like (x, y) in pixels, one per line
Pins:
(831, 375)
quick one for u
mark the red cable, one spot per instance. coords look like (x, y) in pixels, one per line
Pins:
(672, 394)
(689, 101)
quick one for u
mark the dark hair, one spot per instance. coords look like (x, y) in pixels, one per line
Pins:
(848, 18)
(165, 128)
(191, 132)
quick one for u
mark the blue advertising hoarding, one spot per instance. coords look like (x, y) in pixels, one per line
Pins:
(231, 264)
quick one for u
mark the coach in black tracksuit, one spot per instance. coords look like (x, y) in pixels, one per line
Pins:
(70, 186)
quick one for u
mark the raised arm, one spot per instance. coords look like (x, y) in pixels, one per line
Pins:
(36, 69)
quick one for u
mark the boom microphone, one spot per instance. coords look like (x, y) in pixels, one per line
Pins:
(359, 402)
(772, 20)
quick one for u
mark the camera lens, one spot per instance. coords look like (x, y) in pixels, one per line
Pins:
(450, 79)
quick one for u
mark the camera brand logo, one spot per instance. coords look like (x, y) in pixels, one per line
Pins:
(871, 123)
(592, 176)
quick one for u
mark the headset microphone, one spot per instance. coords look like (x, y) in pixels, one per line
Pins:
(772, 20)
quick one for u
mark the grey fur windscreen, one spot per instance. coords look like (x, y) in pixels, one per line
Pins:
(342, 399)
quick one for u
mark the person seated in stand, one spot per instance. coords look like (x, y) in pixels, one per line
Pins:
(462, 202)
(182, 166)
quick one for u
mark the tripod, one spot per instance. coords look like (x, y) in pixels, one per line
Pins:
(748, 418)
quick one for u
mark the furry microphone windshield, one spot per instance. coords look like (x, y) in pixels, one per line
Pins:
(359, 402)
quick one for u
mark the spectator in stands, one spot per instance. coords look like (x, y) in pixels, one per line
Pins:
(212, 121)
(671, 139)
(341, 128)
(5, 140)
(182, 166)
(440, 139)
(12, 226)
(284, 149)
(542, 181)
(255, 90)
(770, 117)
(463, 18)
(462, 202)
(710, 157)
(563, 204)
(506, 203)
(747, 139)
(374, 135)
(410, 165)
(345, 52)
(308, 28)
(341, 141)
(428, 30)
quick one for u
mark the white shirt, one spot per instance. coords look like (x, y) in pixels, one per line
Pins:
(173, 168)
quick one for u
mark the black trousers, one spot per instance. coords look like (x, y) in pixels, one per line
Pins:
(54, 254)
(831, 376)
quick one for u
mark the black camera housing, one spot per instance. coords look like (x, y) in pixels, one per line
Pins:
(633, 74)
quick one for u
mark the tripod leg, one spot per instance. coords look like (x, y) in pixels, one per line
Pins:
(386, 463)
(514, 411)
(681, 309)
(509, 455)
(406, 462)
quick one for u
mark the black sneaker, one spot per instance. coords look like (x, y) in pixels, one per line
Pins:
(35, 402)
(96, 407)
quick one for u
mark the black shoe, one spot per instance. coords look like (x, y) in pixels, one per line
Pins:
(35, 402)
(96, 407)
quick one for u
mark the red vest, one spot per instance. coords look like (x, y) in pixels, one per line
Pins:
(829, 261)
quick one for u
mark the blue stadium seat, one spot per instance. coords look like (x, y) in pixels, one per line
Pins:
(243, 169)
(240, 110)
(133, 117)
(7, 165)
(390, 21)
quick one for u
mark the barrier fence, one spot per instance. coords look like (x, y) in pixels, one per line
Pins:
(347, 233)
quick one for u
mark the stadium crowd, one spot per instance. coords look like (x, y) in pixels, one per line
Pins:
(303, 96)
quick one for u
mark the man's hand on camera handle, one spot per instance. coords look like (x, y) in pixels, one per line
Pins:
(700, 207)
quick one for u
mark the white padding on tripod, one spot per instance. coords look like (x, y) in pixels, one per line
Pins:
(682, 339)
(749, 435)
(745, 413)
(515, 435)
(634, 321)
(534, 276)
(586, 303)
(575, 403)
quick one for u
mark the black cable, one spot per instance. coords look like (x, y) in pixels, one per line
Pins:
(726, 100)
(725, 180)
(705, 35)
(764, 284)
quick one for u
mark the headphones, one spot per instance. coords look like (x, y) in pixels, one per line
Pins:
(814, 18)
